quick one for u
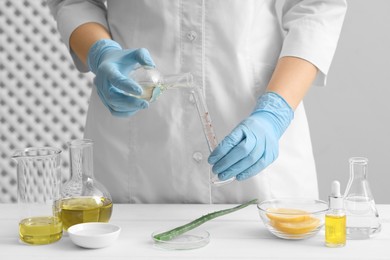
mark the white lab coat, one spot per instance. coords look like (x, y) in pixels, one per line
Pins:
(231, 47)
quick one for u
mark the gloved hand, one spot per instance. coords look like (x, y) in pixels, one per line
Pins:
(112, 65)
(254, 143)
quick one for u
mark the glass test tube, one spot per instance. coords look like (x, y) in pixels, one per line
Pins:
(208, 130)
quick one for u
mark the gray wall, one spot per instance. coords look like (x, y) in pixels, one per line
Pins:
(43, 98)
(350, 116)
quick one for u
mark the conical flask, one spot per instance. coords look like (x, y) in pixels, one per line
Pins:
(154, 83)
(83, 198)
(362, 215)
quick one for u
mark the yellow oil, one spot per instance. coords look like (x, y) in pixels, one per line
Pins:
(85, 209)
(335, 231)
(40, 230)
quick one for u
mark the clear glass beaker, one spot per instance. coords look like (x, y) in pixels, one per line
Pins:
(362, 215)
(39, 181)
(154, 83)
(83, 198)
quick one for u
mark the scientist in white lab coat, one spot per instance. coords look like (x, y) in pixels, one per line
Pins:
(254, 70)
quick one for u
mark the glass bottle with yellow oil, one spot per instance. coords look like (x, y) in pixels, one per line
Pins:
(83, 198)
(335, 219)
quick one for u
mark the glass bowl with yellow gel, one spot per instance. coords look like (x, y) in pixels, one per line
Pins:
(293, 218)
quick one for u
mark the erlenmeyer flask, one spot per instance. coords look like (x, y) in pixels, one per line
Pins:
(83, 198)
(362, 215)
(154, 83)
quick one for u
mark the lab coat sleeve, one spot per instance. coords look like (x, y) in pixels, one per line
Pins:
(70, 14)
(312, 29)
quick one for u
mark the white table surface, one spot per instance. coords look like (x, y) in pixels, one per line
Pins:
(240, 235)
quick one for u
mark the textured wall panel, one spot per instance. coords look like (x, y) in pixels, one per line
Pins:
(43, 98)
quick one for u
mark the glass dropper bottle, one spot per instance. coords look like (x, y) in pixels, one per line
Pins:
(335, 220)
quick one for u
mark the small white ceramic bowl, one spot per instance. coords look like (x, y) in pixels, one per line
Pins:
(94, 234)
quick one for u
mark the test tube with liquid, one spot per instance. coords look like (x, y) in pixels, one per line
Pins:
(208, 131)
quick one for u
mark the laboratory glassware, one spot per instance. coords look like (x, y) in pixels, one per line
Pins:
(335, 220)
(362, 215)
(39, 182)
(154, 83)
(208, 131)
(83, 198)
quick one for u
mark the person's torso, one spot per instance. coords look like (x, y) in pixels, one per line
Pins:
(160, 154)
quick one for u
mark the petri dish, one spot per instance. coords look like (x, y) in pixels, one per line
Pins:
(190, 240)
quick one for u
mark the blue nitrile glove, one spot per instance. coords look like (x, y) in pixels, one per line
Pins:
(111, 64)
(254, 143)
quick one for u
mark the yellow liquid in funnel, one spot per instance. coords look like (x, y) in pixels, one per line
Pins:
(85, 209)
(40, 230)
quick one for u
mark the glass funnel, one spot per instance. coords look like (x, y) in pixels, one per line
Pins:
(154, 83)
(362, 215)
(83, 198)
(39, 181)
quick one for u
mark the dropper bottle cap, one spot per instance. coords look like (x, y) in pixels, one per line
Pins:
(335, 199)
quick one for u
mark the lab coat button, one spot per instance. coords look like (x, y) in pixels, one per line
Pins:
(197, 156)
(192, 35)
(191, 99)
